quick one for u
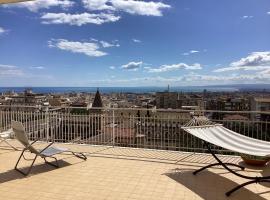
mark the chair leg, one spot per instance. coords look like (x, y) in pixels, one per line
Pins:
(239, 187)
(215, 164)
(259, 180)
(29, 169)
(50, 163)
(79, 155)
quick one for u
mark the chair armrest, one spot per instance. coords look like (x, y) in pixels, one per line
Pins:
(34, 141)
(47, 147)
(26, 147)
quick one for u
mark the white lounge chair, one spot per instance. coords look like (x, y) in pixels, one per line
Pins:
(49, 151)
(218, 135)
(5, 135)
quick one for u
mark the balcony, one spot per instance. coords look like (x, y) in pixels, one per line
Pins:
(125, 173)
(125, 159)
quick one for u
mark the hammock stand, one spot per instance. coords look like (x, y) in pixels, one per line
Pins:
(211, 136)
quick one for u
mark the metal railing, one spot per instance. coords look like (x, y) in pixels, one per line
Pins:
(140, 128)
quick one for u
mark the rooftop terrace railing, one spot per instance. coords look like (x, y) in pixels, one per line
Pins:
(139, 128)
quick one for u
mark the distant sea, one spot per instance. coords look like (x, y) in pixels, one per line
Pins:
(220, 88)
(114, 89)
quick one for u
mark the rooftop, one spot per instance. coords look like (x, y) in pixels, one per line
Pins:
(125, 173)
(265, 100)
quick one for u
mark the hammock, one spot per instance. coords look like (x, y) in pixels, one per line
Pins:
(218, 135)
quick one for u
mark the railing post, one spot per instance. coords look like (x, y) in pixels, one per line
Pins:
(47, 124)
(1, 121)
(113, 131)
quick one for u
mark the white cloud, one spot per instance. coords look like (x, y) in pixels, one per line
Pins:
(38, 67)
(2, 30)
(185, 54)
(189, 79)
(247, 17)
(140, 7)
(244, 68)
(185, 80)
(78, 19)
(112, 67)
(88, 48)
(190, 52)
(36, 5)
(136, 40)
(265, 72)
(255, 61)
(97, 5)
(148, 8)
(107, 44)
(268, 13)
(173, 67)
(134, 66)
(259, 77)
(10, 70)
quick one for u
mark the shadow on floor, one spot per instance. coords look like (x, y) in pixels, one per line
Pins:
(37, 169)
(263, 170)
(6, 150)
(266, 172)
(211, 186)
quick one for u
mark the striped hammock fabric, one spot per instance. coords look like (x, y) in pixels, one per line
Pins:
(218, 135)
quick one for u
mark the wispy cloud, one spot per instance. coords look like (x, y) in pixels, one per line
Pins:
(190, 52)
(247, 17)
(95, 5)
(188, 79)
(107, 44)
(136, 40)
(112, 67)
(78, 19)
(268, 13)
(244, 68)
(38, 67)
(133, 66)
(36, 5)
(2, 30)
(174, 67)
(254, 62)
(225, 79)
(10, 70)
(91, 49)
(148, 8)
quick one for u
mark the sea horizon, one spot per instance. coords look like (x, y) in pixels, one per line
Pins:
(141, 89)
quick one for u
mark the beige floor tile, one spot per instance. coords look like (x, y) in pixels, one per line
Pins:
(125, 173)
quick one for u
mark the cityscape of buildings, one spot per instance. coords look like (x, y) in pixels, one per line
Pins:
(147, 119)
(170, 100)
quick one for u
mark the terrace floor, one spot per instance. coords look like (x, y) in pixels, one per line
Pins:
(125, 173)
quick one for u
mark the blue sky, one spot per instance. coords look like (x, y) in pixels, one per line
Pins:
(134, 43)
